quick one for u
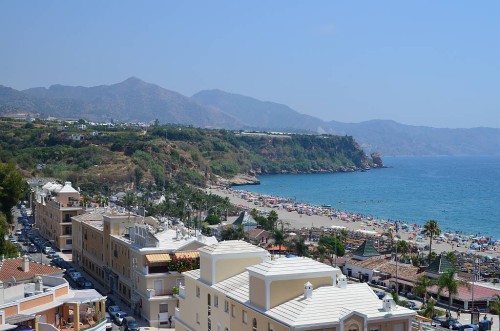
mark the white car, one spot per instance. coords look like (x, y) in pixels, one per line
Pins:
(109, 322)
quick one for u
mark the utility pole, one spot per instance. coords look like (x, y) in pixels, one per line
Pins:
(335, 248)
(397, 285)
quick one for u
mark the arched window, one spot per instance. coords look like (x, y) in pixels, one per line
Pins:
(254, 324)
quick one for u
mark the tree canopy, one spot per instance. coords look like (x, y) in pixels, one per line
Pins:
(12, 188)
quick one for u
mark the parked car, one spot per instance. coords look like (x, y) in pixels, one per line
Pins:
(113, 309)
(437, 320)
(75, 275)
(473, 327)
(129, 324)
(52, 255)
(32, 249)
(411, 305)
(18, 232)
(119, 316)
(47, 249)
(109, 322)
(453, 322)
(83, 283)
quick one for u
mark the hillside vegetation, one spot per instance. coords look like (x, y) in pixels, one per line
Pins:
(126, 157)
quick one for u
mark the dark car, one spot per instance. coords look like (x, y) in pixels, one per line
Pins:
(473, 327)
(129, 324)
(453, 322)
(118, 317)
(113, 309)
(83, 283)
(436, 320)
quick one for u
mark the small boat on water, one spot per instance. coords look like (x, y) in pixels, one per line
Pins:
(326, 206)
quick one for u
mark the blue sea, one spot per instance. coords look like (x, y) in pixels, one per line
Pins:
(461, 193)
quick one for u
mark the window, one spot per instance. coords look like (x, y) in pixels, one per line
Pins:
(197, 292)
(254, 324)
(270, 327)
(216, 301)
(374, 328)
(244, 317)
(197, 318)
(209, 303)
(163, 307)
(226, 306)
(233, 310)
(69, 241)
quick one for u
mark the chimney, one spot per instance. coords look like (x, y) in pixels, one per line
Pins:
(388, 303)
(38, 284)
(343, 281)
(308, 290)
(26, 263)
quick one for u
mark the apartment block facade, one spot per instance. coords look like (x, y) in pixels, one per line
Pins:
(54, 206)
(137, 259)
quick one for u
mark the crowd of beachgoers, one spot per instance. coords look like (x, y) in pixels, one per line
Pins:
(299, 215)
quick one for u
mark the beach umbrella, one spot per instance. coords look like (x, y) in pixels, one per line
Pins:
(489, 257)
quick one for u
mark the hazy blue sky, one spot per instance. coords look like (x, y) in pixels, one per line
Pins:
(434, 63)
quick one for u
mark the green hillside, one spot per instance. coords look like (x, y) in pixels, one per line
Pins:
(125, 157)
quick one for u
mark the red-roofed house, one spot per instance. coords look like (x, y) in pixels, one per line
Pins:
(481, 294)
(22, 269)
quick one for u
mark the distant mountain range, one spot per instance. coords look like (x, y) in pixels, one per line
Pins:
(134, 100)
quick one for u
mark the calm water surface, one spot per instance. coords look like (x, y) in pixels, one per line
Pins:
(462, 193)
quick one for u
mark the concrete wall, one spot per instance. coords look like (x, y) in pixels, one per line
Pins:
(258, 292)
(284, 290)
(226, 268)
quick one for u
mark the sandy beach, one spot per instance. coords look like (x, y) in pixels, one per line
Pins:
(299, 221)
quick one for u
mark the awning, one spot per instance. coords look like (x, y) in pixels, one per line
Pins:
(184, 255)
(157, 258)
(14, 319)
(400, 281)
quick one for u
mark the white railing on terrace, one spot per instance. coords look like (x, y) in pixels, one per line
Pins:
(182, 291)
(422, 324)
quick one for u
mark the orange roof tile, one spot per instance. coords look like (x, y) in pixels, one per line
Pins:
(13, 268)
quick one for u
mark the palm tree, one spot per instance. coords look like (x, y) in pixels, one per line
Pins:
(448, 282)
(431, 228)
(421, 285)
(403, 247)
(279, 239)
(299, 247)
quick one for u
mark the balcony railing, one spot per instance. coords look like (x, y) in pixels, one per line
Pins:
(159, 293)
(182, 292)
(177, 313)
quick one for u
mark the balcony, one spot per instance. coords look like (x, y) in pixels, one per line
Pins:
(159, 293)
(182, 292)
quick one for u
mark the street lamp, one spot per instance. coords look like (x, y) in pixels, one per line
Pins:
(474, 273)
(43, 245)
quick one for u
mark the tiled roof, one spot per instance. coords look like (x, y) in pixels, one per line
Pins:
(366, 250)
(231, 246)
(290, 266)
(440, 265)
(328, 304)
(481, 292)
(245, 219)
(386, 266)
(13, 268)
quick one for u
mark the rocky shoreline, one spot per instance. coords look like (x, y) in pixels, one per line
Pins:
(251, 179)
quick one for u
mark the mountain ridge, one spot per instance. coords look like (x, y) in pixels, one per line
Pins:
(134, 100)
